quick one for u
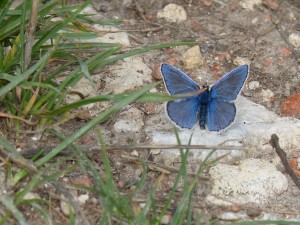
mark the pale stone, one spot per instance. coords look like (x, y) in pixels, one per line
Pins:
(30, 196)
(266, 95)
(128, 75)
(253, 126)
(83, 198)
(239, 61)
(231, 216)
(65, 206)
(86, 88)
(294, 39)
(108, 34)
(129, 121)
(192, 58)
(172, 13)
(252, 181)
(249, 4)
(253, 85)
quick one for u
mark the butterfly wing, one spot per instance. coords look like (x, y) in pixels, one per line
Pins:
(220, 115)
(184, 112)
(176, 81)
(221, 109)
(230, 85)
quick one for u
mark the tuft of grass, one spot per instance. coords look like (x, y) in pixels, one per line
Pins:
(30, 95)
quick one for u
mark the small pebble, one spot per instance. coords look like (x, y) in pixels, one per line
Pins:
(253, 212)
(30, 196)
(206, 48)
(82, 199)
(134, 153)
(250, 4)
(266, 95)
(192, 58)
(253, 85)
(239, 61)
(172, 13)
(166, 219)
(294, 39)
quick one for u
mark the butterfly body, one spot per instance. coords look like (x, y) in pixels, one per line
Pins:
(213, 107)
(203, 107)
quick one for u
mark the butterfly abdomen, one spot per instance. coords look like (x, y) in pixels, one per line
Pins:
(204, 99)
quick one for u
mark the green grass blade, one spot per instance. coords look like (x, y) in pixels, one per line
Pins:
(12, 24)
(7, 77)
(81, 35)
(38, 84)
(178, 177)
(180, 213)
(24, 76)
(4, 10)
(109, 180)
(59, 27)
(9, 204)
(139, 51)
(147, 97)
(75, 76)
(16, 156)
(80, 46)
(43, 212)
(103, 116)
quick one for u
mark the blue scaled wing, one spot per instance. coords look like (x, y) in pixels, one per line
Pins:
(230, 85)
(184, 112)
(221, 109)
(220, 115)
(176, 81)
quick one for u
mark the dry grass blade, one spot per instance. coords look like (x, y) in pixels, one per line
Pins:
(30, 31)
(95, 147)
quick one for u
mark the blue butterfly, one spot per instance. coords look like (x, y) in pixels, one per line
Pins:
(213, 107)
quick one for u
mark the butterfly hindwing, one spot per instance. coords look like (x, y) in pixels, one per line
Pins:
(184, 112)
(230, 85)
(176, 81)
(220, 115)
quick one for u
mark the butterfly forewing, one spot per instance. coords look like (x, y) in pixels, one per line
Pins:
(230, 85)
(176, 81)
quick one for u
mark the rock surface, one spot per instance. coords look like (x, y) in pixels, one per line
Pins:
(252, 181)
(128, 75)
(129, 121)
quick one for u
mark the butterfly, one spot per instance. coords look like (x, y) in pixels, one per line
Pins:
(214, 107)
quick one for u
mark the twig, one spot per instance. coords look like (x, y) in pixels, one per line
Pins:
(61, 189)
(95, 147)
(139, 9)
(18, 159)
(7, 115)
(157, 166)
(274, 141)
